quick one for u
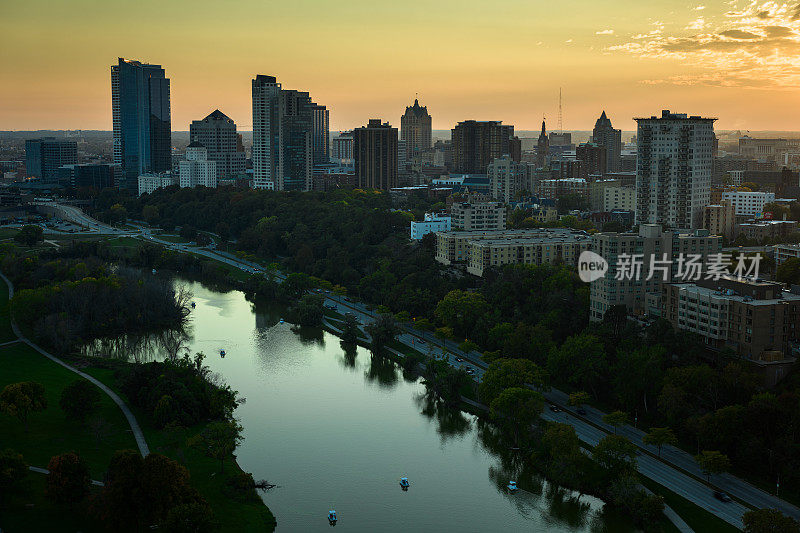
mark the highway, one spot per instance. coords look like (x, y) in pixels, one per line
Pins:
(675, 469)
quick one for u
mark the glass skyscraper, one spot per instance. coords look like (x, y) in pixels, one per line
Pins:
(142, 125)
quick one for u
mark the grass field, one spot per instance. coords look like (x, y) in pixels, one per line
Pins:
(696, 517)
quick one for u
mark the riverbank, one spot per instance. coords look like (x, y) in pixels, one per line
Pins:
(235, 503)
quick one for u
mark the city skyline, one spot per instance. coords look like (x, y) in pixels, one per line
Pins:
(708, 59)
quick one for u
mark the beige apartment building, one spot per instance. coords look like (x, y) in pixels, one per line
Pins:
(651, 246)
(538, 245)
(539, 249)
(478, 216)
(720, 219)
(619, 198)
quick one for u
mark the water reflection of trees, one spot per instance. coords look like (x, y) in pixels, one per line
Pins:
(166, 344)
(564, 507)
(381, 371)
(349, 355)
(450, 422)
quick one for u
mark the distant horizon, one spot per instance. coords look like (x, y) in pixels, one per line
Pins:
(734, 60)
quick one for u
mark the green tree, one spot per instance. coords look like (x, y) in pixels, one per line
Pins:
(578, 398)
(712, 462)
(461, 310)
(219, 440)
(194, 517)
(150, 214)
(789, 271)
(769, 521)
(13, 470)
(29, 235)
(518, 409)
(80, 399)
(308, 311)
(510, 373)
(616, 454)
(350, 329)
(616, 419)
(21, 399)
(68, 480)
(580, 361)
(383, 330)
(117, 214)
(659, 437)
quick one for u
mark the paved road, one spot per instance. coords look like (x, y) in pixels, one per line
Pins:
(676, 469)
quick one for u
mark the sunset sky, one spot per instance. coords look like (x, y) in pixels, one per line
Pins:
(486, 60)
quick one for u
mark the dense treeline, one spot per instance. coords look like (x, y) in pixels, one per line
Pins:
(179, 392)
(65, 302)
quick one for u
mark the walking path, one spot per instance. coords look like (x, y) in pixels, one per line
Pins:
(46, 471)
(137, 431)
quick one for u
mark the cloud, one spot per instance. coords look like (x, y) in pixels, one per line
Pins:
(754, 44)
(698, 8)
(604, 32)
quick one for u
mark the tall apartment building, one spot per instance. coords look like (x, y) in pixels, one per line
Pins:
(147, 183)
(283, 136)
(507, 178)
(673, 170)
(415, 129)
(87, 175)
(321, 140)
(757, 319)
(619, 198)
(593, 158)
(140, 107)
(560, 187)
(750, 203)
(609, 138)
(720, 219)
(197, 169)
(375, 154)
(476, 144)
(43, 157)
(478, 216)
(342, 148)
(651, 246)
(217, 132)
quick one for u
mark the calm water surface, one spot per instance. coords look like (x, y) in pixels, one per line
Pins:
(337, 430)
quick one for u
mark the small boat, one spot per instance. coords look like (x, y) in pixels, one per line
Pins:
(404, 483)
(222, 353)
(281, 321)
(155, 271)
(512, 486)
(332, 517)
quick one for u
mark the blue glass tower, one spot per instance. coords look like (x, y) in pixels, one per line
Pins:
(142, 125)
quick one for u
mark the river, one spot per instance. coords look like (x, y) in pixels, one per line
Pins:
(337, 431)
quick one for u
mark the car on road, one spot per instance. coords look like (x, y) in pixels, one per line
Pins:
(721, 496)
(421, 341)
(331, 307)
(460, 360)
(555, 408)
(469, 370)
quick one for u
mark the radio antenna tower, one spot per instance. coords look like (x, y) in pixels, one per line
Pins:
(560, 115)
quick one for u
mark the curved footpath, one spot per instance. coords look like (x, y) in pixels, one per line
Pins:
(137, 431)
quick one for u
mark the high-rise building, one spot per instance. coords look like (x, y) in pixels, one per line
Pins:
(476, 144)
(87, 175)
(593, 159)
(542, 148)
(283, 132)
(321, 139)
(507, 178)
(142, 125)
(606, 136)
(217, 133)
(43, 157)
(197, 169)
(342, 147)
(375, 154)
(673, 170)
(415, 129)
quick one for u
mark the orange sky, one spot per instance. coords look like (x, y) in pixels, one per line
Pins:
(367, 58)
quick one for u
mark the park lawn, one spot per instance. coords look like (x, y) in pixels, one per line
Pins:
(50, 432)
(234, 514)
(41, 517)
(695, 516)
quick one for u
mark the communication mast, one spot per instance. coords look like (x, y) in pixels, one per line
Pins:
(560, 115)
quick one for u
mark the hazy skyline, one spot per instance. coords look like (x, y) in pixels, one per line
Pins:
(366, 59)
